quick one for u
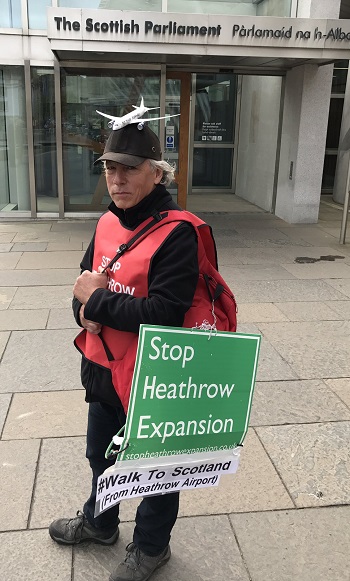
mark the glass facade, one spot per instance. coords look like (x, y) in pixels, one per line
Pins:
(10, 14)
(144, 5)
(44, 137)
(214, 152)
(340, 74)
(14, 176)
(37, 18)
(239, 7)
(84, 132)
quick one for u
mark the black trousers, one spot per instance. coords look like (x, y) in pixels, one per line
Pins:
(155, 516)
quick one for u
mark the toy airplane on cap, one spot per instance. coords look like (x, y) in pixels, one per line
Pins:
(133, 117)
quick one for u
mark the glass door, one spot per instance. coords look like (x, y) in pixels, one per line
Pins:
(84, 132)
(176, 138)
(213, 132)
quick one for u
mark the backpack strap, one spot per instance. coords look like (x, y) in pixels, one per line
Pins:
(157, 219)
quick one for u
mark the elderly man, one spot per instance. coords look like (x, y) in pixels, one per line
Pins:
(153, 283)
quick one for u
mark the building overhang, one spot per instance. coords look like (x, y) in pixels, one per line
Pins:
(268, 44)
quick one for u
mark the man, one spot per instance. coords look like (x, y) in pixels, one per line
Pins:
(154, 285)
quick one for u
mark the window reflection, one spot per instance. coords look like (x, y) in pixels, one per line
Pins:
(44, 135)
(84, 132)
(14, 176)
(10, 14)
(37, 18)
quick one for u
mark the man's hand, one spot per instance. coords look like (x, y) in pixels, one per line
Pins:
(87, 283)
(91, 326)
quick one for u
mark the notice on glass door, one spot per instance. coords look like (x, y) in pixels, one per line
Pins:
(213, 131)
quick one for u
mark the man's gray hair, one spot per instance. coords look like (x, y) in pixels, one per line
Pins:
(167, 169)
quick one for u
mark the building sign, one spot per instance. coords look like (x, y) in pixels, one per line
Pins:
(196, 29)
(189, 410)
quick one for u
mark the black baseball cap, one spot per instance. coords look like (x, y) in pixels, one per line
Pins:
(131, 145)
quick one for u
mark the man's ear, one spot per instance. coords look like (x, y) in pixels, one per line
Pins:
(158, 174)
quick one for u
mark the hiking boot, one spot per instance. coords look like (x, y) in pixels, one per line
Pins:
(137, 566)
(71, 531)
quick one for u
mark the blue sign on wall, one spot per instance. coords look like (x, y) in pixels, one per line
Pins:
(170, 142)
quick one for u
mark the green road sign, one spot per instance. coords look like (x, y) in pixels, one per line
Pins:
(191, 392)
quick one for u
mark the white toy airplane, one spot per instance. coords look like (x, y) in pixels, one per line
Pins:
(133, 116)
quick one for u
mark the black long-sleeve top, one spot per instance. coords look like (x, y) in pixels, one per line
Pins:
(172, 282)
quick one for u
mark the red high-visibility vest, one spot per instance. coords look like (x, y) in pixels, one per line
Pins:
(213, 306)
(128, 275)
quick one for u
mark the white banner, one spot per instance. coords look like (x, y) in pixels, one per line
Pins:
(121, 483)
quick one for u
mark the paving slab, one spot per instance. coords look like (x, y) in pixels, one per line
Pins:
(258, 256)
(190, 560)
(255, 486)
(62, 319)
(305, 545)
(254, 232)
(6, 295)
(310, 311)
(229, 241)
(39, 277)
(74, 226)
(6, 237)
(295, 402)
(29, 247)
(5, 399)
(253, 272)
(33, 297)
(319, 270)
(5, 247)
(313, 461)
(40, 361)
(63, 481)
(261, 312)
(341, 286)
(39, 236)
(70, 245)
(271, 366)
(312, 349)
(9, 260)
(314, 236)
(341, 308)
(58, 259)
(25, 226)
(13, 320)
(226, 257)
(283, 290)
(47, 415)
(4, 337)
(342, 388)
(18, 462)
(33, 556)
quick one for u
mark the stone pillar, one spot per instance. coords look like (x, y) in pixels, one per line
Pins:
(318, 8)
(304, 129)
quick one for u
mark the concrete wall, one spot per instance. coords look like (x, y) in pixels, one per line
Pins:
(257, 141)
(318, 8)
(304, 129)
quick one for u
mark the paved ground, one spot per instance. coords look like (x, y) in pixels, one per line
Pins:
(285, 515)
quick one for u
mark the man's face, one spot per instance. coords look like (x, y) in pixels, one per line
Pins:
(128, 185)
